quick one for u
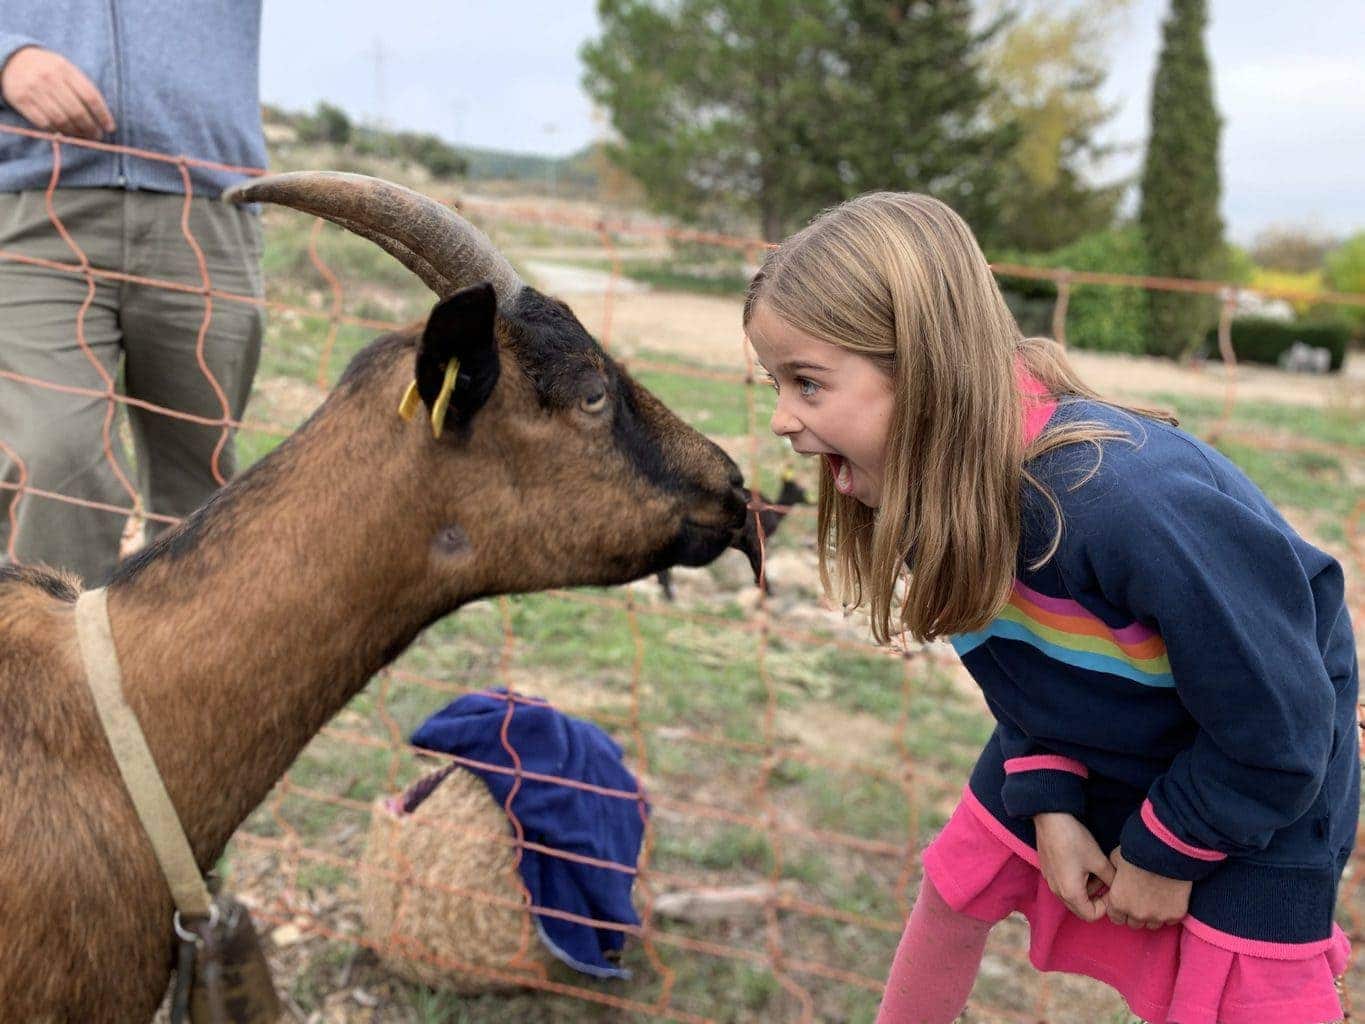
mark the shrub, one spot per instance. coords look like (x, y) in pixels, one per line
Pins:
(1106, 318)
(326, 124)
(1258, 340)
(1309, 281)
(1345, 266)
(1345, 272)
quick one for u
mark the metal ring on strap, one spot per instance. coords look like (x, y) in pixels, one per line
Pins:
(189, 936)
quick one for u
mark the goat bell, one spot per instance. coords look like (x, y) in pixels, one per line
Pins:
(231, 980)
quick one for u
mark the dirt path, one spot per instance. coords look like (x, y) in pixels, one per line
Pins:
(567, 279)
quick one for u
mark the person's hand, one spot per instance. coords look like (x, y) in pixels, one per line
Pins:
(1141, 899)
(53, 94)
(1074, 866)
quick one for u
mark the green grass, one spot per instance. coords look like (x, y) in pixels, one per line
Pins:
(302, 355)
(432, 1007)
(529, 236)
(254, 445)
(1328, 425)
(729, 848)
(317, 980)
(712, 406)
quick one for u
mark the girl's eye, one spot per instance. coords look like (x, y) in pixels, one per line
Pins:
(808, 387)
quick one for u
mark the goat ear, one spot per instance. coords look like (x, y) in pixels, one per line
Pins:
(460, 328)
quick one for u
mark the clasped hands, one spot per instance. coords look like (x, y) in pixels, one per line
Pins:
(1094, 886)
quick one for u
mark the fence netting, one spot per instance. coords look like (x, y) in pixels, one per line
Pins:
(791, 770)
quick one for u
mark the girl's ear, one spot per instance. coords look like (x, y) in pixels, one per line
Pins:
(460, 329)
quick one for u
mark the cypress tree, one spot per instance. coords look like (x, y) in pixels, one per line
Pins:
(1180, 182)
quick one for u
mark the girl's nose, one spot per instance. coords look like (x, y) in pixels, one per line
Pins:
(783, 422)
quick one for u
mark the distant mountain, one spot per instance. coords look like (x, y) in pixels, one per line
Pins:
(577, 172)
(576, 169)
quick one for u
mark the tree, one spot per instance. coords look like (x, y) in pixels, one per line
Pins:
(1344, 271)
(1180, 181)
(696, 95)
(615, 186)
(1298, 250)
(909, 107)
(776, 108)
(1049, 64)
(327, 123)
(438, 157)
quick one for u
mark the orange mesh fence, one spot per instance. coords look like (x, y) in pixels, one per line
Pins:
(789, 800)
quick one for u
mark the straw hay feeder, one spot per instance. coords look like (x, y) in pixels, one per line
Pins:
(441, 896)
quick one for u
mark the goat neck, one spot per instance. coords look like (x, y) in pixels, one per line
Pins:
(233, 662)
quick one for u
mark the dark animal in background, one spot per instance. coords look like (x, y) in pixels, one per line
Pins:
(769, 518)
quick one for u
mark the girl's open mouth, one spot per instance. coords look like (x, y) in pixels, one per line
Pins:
(842, 473)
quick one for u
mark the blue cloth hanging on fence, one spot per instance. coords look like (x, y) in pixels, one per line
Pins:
(566, 818)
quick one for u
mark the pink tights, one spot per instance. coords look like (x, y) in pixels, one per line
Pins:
(935, 965)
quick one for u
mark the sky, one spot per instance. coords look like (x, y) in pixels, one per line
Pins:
(505, 74)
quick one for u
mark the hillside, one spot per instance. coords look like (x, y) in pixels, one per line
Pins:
(287, 131)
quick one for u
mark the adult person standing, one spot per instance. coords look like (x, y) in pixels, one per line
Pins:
(174, 78)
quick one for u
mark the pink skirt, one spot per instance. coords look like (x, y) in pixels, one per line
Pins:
(1187, 973)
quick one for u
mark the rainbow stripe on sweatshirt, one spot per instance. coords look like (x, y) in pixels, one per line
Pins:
(1064, 630)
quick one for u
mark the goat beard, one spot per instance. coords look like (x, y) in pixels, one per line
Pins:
(747, 541)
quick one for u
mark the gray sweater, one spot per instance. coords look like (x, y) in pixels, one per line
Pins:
(180, 77)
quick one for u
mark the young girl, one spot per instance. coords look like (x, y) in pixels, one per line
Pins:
(1171, 791)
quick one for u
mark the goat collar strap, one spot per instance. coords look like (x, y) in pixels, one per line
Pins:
(134, 757)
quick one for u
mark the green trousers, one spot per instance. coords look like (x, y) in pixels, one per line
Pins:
(59, 444)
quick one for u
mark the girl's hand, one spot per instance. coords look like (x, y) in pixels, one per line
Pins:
(1073, 864)
(1141, 899)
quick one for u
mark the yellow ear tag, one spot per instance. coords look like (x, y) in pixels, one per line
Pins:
(442, 403)
(411, 400)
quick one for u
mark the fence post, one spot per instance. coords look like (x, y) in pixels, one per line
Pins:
(1225, 349)
(1059, 308)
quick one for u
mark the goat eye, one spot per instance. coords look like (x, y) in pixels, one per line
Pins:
(593, 403)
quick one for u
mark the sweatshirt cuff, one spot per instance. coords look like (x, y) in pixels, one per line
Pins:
(1149, 844)
(1044, 784)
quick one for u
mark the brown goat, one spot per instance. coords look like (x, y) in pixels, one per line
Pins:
(243, 630)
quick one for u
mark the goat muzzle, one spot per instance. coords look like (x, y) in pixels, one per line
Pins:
(702, 541)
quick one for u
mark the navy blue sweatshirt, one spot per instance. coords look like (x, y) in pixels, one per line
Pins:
(1181, 675)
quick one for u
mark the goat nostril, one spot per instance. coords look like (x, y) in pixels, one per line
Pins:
(736, 478)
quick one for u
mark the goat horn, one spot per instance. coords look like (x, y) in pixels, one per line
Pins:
(433, 241)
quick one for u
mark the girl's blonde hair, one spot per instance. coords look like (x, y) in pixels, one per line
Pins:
(898, 278)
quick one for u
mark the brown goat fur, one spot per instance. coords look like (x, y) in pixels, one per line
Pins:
(244, 629)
